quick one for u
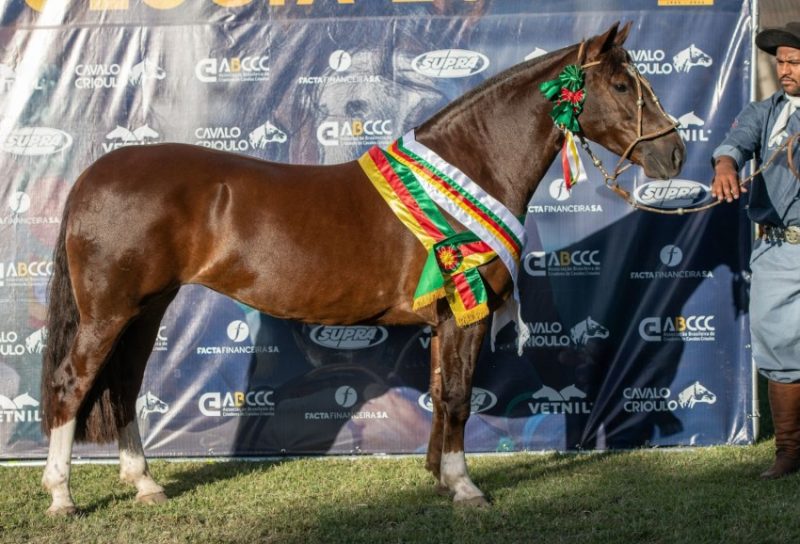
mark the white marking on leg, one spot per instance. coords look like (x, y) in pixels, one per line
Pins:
(56, 472)
(455, 477)
(133, 465)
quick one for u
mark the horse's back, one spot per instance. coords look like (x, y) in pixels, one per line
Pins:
(307, 242)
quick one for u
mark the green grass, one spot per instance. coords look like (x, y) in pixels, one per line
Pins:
(643, 496)
(702, 495)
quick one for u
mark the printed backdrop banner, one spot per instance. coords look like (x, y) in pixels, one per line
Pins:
(638, 321)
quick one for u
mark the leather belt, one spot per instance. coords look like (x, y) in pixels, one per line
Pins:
(769, 233)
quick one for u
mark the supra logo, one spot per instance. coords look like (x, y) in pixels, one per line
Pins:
(123, 137)
(150, 404)
(21, 409)
(34, 141)
(450, 63)
(355, 132)
(672, 194)
(655, 61)
(481, 400)
(353, 337)
(237, 403)
(692, 328)
(234, 69)
(670, 255)
(569, 400)
(690, 128)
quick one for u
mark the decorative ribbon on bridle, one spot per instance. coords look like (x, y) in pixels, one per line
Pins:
(416, 182)
(568, 94)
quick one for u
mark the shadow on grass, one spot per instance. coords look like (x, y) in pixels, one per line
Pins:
(677, 497)
(211, 472)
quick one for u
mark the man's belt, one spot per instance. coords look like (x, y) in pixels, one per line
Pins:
(769, 233)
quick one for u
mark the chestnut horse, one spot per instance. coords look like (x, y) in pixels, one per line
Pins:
(142, 221)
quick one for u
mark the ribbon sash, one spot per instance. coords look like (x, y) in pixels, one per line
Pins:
(451, 270)
(413, 179)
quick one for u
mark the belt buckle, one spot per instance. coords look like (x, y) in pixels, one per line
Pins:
(792, 234)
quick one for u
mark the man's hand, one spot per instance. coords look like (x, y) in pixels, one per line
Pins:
(726, 180)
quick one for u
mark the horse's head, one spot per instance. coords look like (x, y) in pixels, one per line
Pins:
(621, 112)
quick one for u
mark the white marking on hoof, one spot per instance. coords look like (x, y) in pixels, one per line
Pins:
(474, 502)
(152, 498)
(455, 478)
(56, 472)
(62, 511)
(133, 466)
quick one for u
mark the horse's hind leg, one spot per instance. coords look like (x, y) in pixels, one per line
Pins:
(71, 383)
(133, 466)
(458, 353)
(133, 350)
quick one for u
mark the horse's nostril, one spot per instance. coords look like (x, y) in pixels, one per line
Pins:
(677, 158)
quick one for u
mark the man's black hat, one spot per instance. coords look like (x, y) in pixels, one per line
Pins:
(770, 39)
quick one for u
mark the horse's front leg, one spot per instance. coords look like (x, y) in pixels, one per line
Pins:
(433, 460)
(458, 352)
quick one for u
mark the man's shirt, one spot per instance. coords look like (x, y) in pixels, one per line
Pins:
(775, 194)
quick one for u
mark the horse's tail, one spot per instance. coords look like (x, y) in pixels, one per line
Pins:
(102, 411)
(62, 322)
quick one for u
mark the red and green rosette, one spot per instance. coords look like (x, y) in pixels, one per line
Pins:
(568, 94)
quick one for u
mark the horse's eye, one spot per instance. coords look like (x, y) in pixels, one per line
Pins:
(620, 87)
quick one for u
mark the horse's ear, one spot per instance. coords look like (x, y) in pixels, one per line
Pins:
(612, 37)
(622, 34)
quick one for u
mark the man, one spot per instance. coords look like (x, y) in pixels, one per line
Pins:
(774, 205)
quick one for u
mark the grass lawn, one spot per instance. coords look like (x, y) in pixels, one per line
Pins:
(696, 495)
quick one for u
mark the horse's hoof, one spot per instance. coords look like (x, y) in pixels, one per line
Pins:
(152, 498)
(62, 511)
(443, 491)
(473, 502)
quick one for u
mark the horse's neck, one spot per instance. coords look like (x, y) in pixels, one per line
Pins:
(502, 137)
